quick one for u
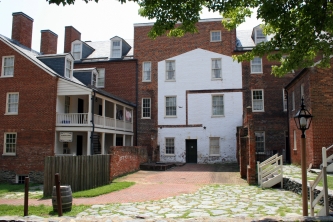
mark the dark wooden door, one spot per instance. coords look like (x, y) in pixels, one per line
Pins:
(79, 143)
(80, 106)
(191, 151)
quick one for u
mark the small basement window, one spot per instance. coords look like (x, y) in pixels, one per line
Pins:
(20, 179)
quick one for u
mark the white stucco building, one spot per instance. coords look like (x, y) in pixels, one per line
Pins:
(199, 107)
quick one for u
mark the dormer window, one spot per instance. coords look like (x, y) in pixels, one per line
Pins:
(94, 79)
(116, 46)
(69, 68)
(77, 50)
(259, 36)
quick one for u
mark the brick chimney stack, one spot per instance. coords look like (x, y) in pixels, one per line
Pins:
(71, 34)
(22, 28)
(48, 42)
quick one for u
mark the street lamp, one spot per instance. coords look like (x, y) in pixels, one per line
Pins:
(303, 120)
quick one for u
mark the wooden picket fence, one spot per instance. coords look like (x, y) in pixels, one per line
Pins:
(80, 172)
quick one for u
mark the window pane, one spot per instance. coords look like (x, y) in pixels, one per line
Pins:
(8, 66)
(260, 37)
(256, 65)
(146, 108)
(101, 78)
(218, 106)
(257, 99)
(10, 142)
(216, 68)
(170, 70)
(170, 105)
(214, 146)
(146, 71)
(12, 103)
(216, 36)
(169, 146)
(68, 68)
(260, 141)
(116, 49)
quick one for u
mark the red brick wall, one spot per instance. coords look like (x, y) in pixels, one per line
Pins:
(22, 29)
(48, 42)
(71, 34)
(126, 159)
(161, 48)
(273, 121)
(35, 122)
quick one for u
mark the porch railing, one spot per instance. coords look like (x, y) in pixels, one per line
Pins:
(72, 119)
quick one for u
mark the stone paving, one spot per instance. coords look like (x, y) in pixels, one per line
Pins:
(214, 202)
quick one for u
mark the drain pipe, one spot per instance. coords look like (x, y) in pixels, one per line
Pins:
(93, 123)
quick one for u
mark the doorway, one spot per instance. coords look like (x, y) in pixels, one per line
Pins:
(79, 143)
(191, 151)
(80, 109)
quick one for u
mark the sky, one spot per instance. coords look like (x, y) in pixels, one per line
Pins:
(95, 21)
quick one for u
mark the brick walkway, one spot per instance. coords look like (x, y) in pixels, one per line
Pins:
(155, 185)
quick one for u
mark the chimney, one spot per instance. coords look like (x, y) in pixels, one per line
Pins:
(48, 42)
(22, 28)
(71, 34)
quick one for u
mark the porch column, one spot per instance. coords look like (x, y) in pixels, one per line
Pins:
(103, 111)
(115, 116)
(88, 143)
(103, 143)
(124, 139)
(89, 109)
(114, 139)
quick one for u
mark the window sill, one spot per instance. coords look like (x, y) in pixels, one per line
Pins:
(6, 76)
(218, 116)
(11, 114)
(145, 118)
(257, 73)
(217, 79)
(258, 111)
(166, 117)
(169, 155)
(146, 80)
(171, 80)
(214, 155)
(216, 41)
(9, 154)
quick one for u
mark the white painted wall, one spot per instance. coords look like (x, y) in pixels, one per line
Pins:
(193, 72)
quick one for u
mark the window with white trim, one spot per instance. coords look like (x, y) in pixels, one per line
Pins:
(293, 100)
(116, 49)
(77, 50)
(146, 107)
(216, 69)
(170, 70)
(257, 100)
(295, 140)
(101, 78)
(12, 103)
(69, 68)
(171, 106)
(7, 66)
(260, 36)
(10, 143)
(146, 72)
(214, 146)
(170, 146)
(260, 142)
(284, 97)
(20, 179)
(215, 36)
(65, 148)
(217, 105)
(256, 65)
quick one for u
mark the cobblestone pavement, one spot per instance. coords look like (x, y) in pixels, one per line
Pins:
(203, 193)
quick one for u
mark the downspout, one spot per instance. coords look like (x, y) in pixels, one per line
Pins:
(137, 100)
(288, 130)
(93, 123)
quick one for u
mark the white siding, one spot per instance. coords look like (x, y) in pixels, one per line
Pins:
(67, 88)
(193, 72)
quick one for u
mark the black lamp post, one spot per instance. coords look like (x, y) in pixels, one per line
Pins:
(303, 120)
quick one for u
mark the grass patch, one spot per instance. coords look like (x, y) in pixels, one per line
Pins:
(6, 187)
(40, 210)
(114, 186)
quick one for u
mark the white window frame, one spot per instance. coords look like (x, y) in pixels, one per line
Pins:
(166, 106)
(8, 112)
(143, 108)
(295, 140)
(293, 100)
(215, 62)
(146, 73)
(68, 71)
(285, 100)
(213, 37)
(18, 180)
(213, 147)
(77, 54)
(262, 135)
(262, 100)
(113, 54)
(100, 78)
(257, 65)
(7, 66)
(166, 145)
(5, 144)
(167, 62)
(218, 105)
(260, 38)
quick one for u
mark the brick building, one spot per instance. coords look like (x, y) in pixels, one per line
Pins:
(315, 86)
(49, 108)
(211, 41)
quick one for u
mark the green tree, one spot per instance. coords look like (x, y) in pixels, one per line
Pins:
(301, 30)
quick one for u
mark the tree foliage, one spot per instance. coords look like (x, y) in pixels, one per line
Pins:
(301, 30)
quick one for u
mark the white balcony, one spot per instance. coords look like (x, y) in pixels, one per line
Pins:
(72, 119)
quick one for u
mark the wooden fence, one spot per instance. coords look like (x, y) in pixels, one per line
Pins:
(80, 172)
